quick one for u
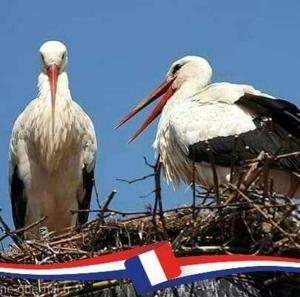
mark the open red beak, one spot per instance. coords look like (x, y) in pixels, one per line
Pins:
(53, 72)
(165, 88)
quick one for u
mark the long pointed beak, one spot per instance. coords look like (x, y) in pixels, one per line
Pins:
(165, 88)
(53, 72)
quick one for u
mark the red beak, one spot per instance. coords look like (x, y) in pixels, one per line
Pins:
(53, 72)
(165, 88)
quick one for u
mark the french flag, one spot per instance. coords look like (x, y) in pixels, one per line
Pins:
(152, 267)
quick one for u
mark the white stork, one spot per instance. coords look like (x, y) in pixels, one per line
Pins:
(196, 115)
(52, 151)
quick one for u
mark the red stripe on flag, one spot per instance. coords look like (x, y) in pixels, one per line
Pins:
(168, 261)
(231, 258)
(112, 257)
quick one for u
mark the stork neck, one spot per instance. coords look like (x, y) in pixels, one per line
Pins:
(63, 90)
(188, 89)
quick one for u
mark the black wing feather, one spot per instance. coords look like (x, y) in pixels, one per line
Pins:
(88, 183)
(282, 112)
(18, 200)
(277, 131)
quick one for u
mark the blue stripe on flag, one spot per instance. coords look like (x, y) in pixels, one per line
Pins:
(138, 275)
(118, 274)
(221, 273)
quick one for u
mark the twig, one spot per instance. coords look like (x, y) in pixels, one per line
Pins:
(252, 174)
(234, 152)
(135, 180)
(265, 215)
(215, 174)
(26, 228)
(106, 204)
(194, 189)
(158, 198)
(96, 193)
(13, 236)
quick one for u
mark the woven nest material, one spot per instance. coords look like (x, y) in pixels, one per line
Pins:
(225, 220)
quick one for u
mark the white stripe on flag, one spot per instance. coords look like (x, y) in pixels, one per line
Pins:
(153, 268)
(105, 267)
(192, 269)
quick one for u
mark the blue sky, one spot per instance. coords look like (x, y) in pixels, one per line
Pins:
(120, 50)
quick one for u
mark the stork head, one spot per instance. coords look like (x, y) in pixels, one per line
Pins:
(54, 61)
(186, 69)
(53, 53)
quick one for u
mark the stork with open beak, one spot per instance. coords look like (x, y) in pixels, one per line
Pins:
(52, 151)
(234, 121)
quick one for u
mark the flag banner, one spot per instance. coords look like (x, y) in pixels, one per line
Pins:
(150, 268)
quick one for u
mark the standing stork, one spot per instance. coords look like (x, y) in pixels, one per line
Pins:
(236, 122)
(52, 151)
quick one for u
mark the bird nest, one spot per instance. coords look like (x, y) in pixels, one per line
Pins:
(237, 218)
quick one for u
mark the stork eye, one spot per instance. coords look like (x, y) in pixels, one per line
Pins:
(43, 58)
(63, 56)
(176, 68)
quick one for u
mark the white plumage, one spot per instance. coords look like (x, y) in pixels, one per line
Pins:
(195, 113)
(52, 151)
(187, 119)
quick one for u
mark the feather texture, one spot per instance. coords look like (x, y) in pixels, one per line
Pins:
(213, 117)
(51, 175)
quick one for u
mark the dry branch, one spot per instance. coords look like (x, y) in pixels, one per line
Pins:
(242, 220)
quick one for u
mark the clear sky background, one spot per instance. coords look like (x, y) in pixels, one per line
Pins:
(120, 50)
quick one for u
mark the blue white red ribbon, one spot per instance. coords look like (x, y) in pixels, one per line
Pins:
(152, 267)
